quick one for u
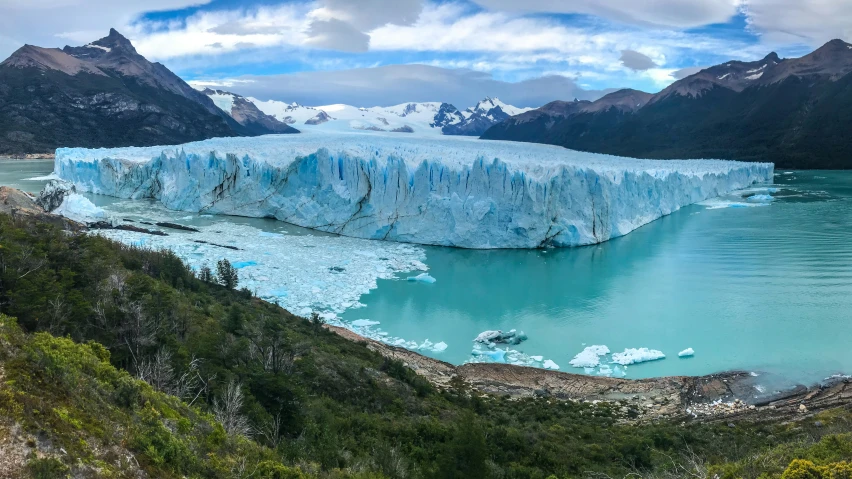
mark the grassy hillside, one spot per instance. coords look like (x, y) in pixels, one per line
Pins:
(267, 388)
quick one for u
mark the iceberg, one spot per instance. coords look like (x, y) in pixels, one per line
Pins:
(590, 357)
(634, 355)
(78, 208)
(422, 278)
(688, 352)
(460, 192)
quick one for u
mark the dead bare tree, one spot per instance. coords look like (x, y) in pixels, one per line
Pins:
(228, 411)
(159, 372)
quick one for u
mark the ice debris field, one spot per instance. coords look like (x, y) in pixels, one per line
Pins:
(445, 191)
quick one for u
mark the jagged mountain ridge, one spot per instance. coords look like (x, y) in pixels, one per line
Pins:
(246, 113)
(424, 117)
(103, 94)
(794, 112)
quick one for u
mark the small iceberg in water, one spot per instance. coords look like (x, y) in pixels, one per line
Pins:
(589, 357)
(686, 353)
(422, 278)
(637, 355)
(490, 338)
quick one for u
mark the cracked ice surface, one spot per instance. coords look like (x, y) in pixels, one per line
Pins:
(302, 273)
(445, 191)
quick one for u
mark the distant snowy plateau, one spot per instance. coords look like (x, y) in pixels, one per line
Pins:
(450, 191)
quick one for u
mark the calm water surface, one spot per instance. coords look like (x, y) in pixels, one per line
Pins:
(761, 288)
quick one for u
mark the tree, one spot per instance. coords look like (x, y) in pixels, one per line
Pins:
(228, 411)
(465, 455)
(227, 274)
(206, 274)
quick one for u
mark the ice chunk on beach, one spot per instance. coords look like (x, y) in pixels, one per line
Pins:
(548, 364)
(589, 357)
(422, 278)
(449, 191)
(634, 355)
(686, 353)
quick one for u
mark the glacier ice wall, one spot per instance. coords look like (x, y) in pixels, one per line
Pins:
(452, 192)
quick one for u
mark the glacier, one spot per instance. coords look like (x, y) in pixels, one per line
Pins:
(460, 192)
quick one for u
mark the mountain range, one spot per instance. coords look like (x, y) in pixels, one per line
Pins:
(794, 112)
(424, 117)
(102, 94)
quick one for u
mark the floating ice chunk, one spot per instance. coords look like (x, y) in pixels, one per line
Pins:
(361, 323)
(496, 356)
(78, 208)
(589, 357)
(509, 337)
(439, 347)
(487, 336)
(788, 173)
(537, 358)
(760, 198)
(686, 353)
(422, 278)
(634, 355)
(548, 364)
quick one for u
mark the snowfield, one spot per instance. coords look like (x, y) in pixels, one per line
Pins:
(450, 191)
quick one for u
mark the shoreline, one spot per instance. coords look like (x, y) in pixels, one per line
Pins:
(713, 397)
(29, 156)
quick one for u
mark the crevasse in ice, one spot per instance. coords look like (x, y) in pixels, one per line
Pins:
(445, 191)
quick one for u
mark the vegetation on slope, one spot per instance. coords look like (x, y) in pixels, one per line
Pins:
(232, 383)
(795, 123)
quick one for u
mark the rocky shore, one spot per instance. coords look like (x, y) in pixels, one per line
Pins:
(31, 156)
(717, 397)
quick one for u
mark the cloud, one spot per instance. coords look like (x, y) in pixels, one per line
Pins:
(685, 72)
(53, 23)
(668, 13)
(395, 84)
(337, 35)
(796, 21)
(636, 61)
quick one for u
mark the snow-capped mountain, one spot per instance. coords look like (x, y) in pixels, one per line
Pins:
(246, 113)
(422, 118)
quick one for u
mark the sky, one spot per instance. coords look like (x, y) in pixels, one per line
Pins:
(385, 52)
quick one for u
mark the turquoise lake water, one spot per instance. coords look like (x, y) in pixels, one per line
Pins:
(765, 288)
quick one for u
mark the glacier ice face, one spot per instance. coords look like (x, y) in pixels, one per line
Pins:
(458, 192)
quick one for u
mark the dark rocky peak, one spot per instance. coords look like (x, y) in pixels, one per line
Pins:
(112, 45)
(627, 100)
(29, 56)
(832, 61)
(319, 119)
(447, 115)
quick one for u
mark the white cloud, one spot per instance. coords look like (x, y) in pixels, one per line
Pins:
(812, 22)
(396, 84)
(668, 13)
(223, 31)
(52, 23)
